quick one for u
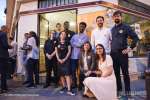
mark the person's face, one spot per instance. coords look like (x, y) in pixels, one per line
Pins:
(51, 34)
(63, 35)
(100, 22)
(26, 35)
(58, 27)
(99, 50)
(66, 25)
(82, 28)
(117, 18)
(86, 46)
(29, 35)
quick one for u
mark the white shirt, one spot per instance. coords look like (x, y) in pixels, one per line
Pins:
(101, 36)
(34, 53)
(85, 62)
(13, 50)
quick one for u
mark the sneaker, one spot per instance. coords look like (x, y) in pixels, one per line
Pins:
(70, 93)
(62, 90)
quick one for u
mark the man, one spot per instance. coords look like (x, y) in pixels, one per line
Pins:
(101, 35)
(58, 30)
(76, 42)
(120, 49)
(67, 31)
(50, 59)
(3, 57)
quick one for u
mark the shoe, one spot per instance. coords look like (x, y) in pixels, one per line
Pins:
(46, 86)
(62, 90)
(26, 82)
(70, 93)
(3, 91)
(85, 96)
(30, 86)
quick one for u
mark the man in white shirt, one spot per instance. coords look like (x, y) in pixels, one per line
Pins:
(101, 35)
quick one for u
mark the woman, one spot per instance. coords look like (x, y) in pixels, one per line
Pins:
(63, 50)
(32, 60)
(104, 86)
(86, 62)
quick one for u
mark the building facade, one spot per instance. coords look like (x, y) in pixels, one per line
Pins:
(41, 16)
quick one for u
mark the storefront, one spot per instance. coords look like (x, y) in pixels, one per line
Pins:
(43, 15)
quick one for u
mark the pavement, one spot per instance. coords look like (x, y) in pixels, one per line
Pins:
(19, 92)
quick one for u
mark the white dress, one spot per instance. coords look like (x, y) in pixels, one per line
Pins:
(104, 88)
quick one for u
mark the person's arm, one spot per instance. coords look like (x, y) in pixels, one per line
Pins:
(57, 56)
(5, 41)
(93, 40)
(133, 36)
(107, 71)
(68, 54)
(73, 41)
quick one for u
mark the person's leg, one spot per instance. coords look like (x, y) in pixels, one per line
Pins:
(116, 67)
(68, 81)
(30, 72)
(3, 68)
(36, 71)
(81, 79)
(125, 72)
(62, 78)
(74, 65)
(54, 67)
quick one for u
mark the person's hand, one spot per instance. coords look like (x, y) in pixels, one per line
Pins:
(126, 51)
(87, 73)
(61, 61)
(49, 57)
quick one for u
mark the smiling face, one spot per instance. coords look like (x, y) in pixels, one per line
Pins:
(99, 50)
(100, 22)
(86, 47)
(117, 18)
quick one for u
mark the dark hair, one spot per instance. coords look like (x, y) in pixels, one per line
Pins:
(58, 24)
(66, 22)
(90, 49)
(99, 17)
(83, 23)
(35, 37)
(117, 13)
(60, 34)
(10, 38)
(103, 55)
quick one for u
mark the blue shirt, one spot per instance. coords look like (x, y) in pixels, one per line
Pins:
(76, 42)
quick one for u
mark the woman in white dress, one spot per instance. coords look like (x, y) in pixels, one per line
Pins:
(103, 87)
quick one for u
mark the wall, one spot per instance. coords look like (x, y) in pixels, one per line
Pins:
(26, 24)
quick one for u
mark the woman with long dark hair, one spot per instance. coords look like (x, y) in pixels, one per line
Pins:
(86, 62)
(104, 85)
(63, 51)
(32, 60)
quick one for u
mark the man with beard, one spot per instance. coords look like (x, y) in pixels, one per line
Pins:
(101, 35)
(119, 51)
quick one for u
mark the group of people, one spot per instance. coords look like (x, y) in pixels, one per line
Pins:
(77, 61)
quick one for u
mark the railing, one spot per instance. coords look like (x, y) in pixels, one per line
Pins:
(52, 3)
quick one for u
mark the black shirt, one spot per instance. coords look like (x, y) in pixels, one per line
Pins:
(49, 46)
(120, 35)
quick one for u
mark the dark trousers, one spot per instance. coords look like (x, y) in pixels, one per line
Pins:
(81, 79)
(51, 65)
(74, 66)
(12, 65)
(3, 72)
(121, 61)
(33, 71)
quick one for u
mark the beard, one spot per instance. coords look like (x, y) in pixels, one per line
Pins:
(117, 21)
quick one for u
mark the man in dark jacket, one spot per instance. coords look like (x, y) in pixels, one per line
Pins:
(3, 57)
(120, 50)
(50, 59)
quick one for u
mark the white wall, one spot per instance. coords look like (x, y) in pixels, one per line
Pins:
(147, 2)
(26, 23)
